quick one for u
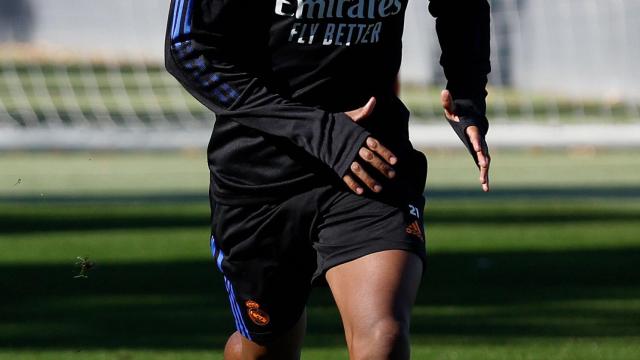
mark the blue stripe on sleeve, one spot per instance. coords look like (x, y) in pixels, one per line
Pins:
(175, 16)
(176, 30)
(187, 20)
(195, 64)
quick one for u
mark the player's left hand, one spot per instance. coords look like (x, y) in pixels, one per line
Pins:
(373, 153)
(475, 137)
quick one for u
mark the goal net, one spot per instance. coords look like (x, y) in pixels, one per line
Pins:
(89, 74)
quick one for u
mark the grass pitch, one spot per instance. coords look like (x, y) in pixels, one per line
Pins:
(544, 268)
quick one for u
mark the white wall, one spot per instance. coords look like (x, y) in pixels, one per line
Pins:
(579, 47)
(420, 44)
(109, 27)
(573, 47)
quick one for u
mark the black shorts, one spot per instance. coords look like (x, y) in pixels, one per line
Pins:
(271, 254)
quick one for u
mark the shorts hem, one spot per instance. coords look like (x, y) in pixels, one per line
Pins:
(371, 248)
(265, 338)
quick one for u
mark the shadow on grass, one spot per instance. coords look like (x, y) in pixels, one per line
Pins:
(140, 212)
(489, 295)
(535, 193)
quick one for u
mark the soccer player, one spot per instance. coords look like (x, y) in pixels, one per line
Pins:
(313, 176)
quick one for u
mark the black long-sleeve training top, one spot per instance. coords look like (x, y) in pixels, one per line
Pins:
(279, 75)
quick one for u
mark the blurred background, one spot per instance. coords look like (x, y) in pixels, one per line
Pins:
(102, 161)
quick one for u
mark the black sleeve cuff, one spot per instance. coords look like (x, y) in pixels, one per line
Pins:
(353, 139)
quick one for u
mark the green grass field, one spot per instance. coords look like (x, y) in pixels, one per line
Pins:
(545, 267)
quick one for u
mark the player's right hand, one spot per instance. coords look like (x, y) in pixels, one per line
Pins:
(373, 153)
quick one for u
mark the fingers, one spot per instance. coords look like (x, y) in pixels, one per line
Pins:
(379, 149)
(363, 112)
(484, 160)
(377, 163)
(364, 177)
(380, 158)
(447, 104)
(483, 163)
(353, 185)
(484, 175)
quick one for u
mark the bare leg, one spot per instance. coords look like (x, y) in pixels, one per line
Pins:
(287, 347)
(375, 294)
(233, 347)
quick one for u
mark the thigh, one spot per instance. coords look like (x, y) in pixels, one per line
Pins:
(372, 254)
(375, 287)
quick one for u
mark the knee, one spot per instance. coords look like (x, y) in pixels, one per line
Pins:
(386, 338)
(390, 332)
(233, 347)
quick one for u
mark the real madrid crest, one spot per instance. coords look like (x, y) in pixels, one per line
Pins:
(257, 315)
